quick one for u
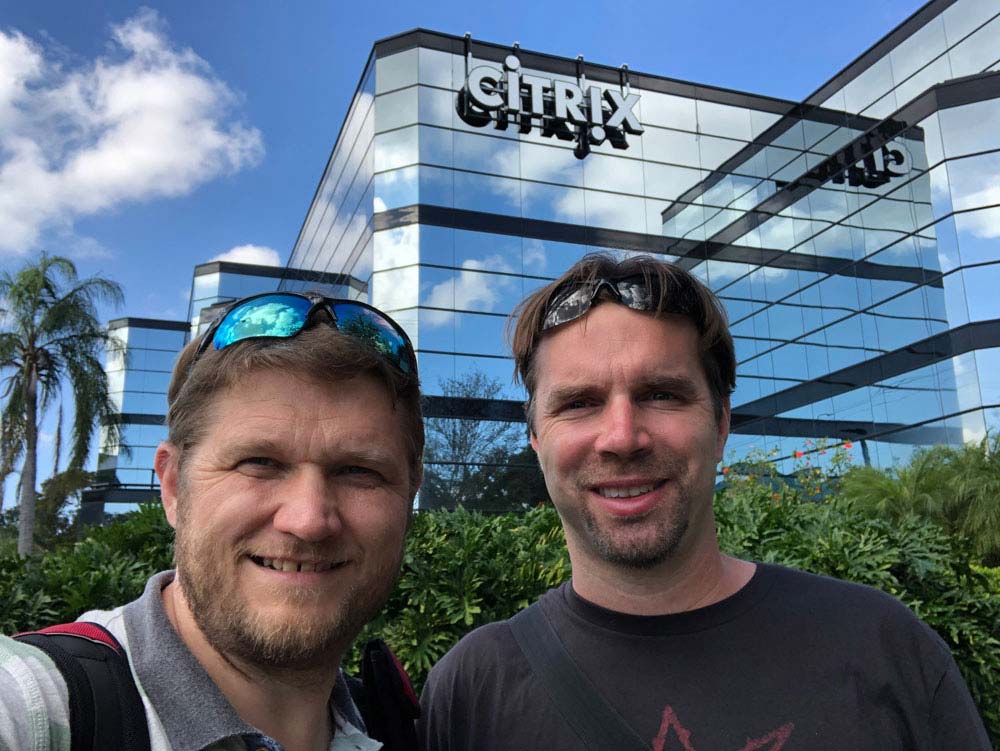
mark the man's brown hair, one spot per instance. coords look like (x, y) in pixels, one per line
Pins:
(676, 292)
(319, 353)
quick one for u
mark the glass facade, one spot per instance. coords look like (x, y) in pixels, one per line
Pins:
(852, 236)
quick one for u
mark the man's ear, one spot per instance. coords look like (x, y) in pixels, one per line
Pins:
(167, 464)
(533, 440)
(723, 430)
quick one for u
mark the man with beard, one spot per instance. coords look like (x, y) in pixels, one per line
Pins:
(291, 464)
(661, 641)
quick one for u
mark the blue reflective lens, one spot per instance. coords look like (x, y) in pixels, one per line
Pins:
(275, 315)
(368, 325)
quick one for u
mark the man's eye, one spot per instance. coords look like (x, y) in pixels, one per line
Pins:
(361, 473)
(660, 396)
(258, 462)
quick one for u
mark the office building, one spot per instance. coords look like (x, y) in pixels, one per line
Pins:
(851, 236)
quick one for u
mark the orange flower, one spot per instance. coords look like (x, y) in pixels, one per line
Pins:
(725, 470)
(848, 445)
(799, 454)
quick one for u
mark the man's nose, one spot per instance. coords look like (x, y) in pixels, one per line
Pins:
(623, 430)
(307, 508)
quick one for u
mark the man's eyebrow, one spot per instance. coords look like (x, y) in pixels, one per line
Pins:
(569, 392)
(252, 447)
(679, 383)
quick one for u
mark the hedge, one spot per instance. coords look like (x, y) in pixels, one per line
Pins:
(463, 569)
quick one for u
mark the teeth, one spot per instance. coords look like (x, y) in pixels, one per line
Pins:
(281, 564)
(625, 492)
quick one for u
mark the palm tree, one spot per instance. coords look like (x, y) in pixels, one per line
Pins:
(956, 487)
(50, 337)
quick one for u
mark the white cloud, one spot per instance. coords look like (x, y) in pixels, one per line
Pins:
(469, 290)
(984, 223)
(255, 254)
(146, 120)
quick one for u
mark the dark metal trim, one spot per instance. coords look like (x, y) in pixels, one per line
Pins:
(479, 409)
(148, 323)
(844, 430)
(513, 411)
(691, 252)
(279, 272)
(119, 494)
(933, 349)
(568, 66)
(136, 418)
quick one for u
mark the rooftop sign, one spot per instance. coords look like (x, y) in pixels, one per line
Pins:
(588, 115)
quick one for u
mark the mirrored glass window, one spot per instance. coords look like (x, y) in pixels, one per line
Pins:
(396, 71)
(395, 109)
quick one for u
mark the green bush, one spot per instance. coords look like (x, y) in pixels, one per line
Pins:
(464, 569)
(107, 569)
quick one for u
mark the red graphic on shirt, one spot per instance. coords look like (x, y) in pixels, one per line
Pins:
(773, 741)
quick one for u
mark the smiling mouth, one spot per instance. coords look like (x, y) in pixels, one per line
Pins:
(293, 566)
(628, 492)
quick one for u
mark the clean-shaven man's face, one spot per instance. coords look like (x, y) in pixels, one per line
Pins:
(626, 435)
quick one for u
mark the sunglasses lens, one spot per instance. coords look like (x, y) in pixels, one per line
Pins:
(569, 308)
(276, 315)
(368, 325)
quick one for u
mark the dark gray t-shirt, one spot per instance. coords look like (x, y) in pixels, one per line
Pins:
(792, 662)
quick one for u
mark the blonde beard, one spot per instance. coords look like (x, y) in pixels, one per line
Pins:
(235, 631)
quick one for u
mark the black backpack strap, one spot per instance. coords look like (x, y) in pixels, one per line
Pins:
(597, 724)
(386, 699)
(105, 709)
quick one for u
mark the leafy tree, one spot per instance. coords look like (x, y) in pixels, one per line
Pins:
(955, 487)
(51, 335)
(457, 449)
(510, 482)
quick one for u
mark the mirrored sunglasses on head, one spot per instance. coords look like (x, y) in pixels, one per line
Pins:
(577, 298)
(282, 315)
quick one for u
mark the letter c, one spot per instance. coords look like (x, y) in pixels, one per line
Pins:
(484, 74)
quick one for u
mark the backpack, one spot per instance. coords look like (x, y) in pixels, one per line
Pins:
(106, 711)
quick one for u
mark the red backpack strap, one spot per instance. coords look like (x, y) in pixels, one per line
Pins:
(105, 709)
(82, 629)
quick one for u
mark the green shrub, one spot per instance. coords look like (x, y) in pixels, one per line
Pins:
(464, 569)
(107, 569)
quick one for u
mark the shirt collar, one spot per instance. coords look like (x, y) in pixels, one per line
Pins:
(194, 712)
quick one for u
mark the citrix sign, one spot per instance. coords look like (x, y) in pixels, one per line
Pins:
(588, 115)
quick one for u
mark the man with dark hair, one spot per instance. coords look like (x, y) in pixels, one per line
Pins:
(289, 472)
(660, 640)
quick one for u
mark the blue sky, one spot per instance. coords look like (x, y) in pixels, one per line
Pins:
(140, 140)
